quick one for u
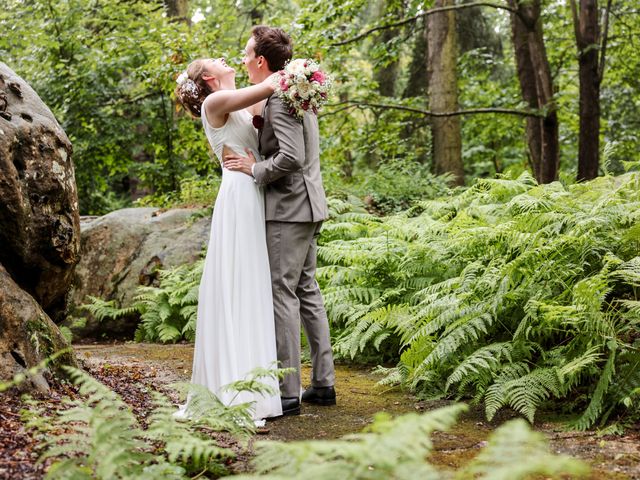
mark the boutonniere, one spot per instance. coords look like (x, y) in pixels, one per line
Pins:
(258, 121)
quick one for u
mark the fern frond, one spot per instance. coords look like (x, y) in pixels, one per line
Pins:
(515, 452)
(524, 394)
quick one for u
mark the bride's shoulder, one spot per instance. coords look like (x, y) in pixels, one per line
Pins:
(212, 111)
(210, 102)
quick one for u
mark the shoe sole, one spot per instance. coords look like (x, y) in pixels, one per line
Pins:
(325, 402)
(291, 411)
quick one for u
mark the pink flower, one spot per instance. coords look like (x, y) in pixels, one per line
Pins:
(284, 86)
(318, 77)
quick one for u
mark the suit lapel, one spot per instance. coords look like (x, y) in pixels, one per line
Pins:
(264, 111)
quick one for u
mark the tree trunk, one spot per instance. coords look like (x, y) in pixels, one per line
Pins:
(386, 73)
(526, 77)
(416, 85)
(587, 38)
(537, 89)
(178, 10)
(443, 92)
(415, 129)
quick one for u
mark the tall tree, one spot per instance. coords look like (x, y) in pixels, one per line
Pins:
(591, 56)
(386, 72)
(443, 92)
(416, 86)
(178, 10)
(537, 88)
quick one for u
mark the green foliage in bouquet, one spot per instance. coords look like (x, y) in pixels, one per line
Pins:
(509, 293)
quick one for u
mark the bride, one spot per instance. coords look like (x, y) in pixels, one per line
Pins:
(233, 335)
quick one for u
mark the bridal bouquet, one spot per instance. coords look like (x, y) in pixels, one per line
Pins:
(302, 86)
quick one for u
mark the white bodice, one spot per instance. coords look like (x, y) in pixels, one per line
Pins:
(238, 133)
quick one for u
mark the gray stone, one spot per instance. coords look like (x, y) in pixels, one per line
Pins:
(27, 336)
(40, 229)
(124, 249)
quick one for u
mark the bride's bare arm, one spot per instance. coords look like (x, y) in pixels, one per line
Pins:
(219, 103)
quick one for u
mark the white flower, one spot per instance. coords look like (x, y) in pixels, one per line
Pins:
(296, 67)
(183, 77)
(304, 89)
(298, 88)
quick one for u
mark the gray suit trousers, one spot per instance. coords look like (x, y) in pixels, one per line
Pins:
(297, 299)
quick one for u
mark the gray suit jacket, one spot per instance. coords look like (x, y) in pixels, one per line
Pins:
(290, 169)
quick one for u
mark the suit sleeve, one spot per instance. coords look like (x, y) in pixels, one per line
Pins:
(290, 135)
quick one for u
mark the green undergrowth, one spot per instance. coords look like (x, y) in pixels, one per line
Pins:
(97, 436)
(511, 294)
(400, 448)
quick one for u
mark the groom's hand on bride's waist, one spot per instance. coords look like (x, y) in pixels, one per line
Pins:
(238, 163)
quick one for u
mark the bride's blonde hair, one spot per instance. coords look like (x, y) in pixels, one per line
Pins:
(192, 91)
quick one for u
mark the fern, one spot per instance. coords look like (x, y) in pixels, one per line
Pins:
(515, 452)
(552, 269)
(102, 438)
(96, 436)
(400, 449)
(102, 309)
(485, 358)
(594, 410)
(180, 443)
(390, 449)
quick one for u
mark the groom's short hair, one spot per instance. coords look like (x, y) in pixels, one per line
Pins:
(274, 45)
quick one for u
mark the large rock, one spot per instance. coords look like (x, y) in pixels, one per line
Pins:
(125, 249)
(27, 336)
(39, 230)
(39, 222)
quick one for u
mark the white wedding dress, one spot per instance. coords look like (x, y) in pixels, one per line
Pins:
(235, 331)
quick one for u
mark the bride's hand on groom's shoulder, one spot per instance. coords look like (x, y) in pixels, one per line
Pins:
(272, 81)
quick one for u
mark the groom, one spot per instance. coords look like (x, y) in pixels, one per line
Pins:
(295, 207)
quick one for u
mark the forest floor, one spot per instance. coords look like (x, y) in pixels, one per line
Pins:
(133, 369)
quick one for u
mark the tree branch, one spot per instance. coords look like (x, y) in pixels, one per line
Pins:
(428, 113)
(424, 14)
(576, 24)
(605, 37)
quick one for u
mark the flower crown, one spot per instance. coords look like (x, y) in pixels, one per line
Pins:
(187, 86)
(183, 77)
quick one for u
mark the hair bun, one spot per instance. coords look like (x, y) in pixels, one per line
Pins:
(189, 89)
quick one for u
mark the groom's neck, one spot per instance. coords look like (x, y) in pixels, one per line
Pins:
(263, 75)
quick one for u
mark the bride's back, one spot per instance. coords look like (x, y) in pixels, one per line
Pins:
(237, 133)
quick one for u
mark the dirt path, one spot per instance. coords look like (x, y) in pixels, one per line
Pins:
(359, 399)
